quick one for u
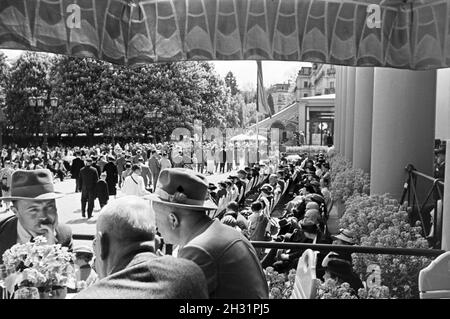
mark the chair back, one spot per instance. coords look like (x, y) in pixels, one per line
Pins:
(434, 280)
(306, 283)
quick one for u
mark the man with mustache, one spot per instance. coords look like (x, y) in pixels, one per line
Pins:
(34, 207)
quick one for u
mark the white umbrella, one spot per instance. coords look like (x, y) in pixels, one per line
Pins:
(245, 137)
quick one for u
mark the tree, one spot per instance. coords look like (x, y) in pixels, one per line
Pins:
(81, 85)
(4, 74)
(230, 82)
(29, 71)
(182, 92)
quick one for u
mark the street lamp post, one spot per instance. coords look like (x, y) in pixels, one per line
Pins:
(152, 116)
(113, 110)
(39, 101)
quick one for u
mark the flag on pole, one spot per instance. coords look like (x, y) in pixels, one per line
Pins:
(261, 100)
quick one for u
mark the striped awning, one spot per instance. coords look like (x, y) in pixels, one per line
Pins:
(410, 34)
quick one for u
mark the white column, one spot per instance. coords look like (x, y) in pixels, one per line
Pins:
(446, 205)
(350, 113)
(403, 127)
(337, 110)
(344, 108)
(362, 139)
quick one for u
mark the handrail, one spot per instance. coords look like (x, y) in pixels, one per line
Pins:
(410, 168)
(326, 247)
(351, 249)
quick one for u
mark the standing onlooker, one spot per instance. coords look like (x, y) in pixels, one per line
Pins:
(5, 179)
(88, 183)
(120, 163)
(134, 184)
(229, 158)
(155, 167)
(77, 165)
(145, 173)
(222, 159)
(111, 175)
(101, 190)
(165, 163)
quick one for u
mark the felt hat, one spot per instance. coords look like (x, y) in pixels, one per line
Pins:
(345, 235)
(83, 249)
(32, 185)
(182, 187)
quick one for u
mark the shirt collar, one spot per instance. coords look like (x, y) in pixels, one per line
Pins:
(23, 236)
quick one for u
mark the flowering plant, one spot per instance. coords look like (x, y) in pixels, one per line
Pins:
(374, 292)
(36, 264)
(330, 289)
(380, 221)
(345, 180)
(280, 285)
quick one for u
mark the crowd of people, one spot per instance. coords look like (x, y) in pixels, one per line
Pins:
(210, 226)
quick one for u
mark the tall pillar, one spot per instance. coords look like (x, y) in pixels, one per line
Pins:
(362, 139)
(446, 206)
(344, 108)
(403, 127)
(350, 112)
(337, 110)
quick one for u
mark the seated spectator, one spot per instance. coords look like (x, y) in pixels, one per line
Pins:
(126, 262)
(277, 185)
(212, 192)
(257, 226)
(85, 275)
(344, 237)
(342, 272)
(233, 210)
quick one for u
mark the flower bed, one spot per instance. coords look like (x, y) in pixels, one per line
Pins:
(345, 180)
(379, 221)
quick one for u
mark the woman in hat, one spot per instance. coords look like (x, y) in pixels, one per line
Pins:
(341, 271)
(84, 273)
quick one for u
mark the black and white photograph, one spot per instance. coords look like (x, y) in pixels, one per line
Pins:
(243, 151)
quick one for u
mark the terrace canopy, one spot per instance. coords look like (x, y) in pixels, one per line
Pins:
(409, 34)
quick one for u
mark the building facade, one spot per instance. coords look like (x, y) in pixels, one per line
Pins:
(318, 79)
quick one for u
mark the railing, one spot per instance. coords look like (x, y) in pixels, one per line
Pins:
(335, 248)
(432, 229)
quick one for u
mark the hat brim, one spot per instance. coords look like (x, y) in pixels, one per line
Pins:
(47, 196)
(343, 238)
(207, 205)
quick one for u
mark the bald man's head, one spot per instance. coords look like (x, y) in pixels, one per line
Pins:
(127, 219)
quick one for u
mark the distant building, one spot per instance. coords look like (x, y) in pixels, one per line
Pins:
(282, 95)
(320, 79)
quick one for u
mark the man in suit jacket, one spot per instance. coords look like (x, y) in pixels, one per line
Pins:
(35, 214)
(120, 167)
(88, 182)
(226, 257)
(127, 264)
(155, 167)
(77, 165)
(111, 175)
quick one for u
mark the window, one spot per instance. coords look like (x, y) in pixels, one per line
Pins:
(305, 84)
(305, 95)
(332, 84)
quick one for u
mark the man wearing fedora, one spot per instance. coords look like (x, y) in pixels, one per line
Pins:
(227, 258)
(33, 204)
(88, 183)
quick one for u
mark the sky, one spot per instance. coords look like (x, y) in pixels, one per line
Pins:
(244, 71)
